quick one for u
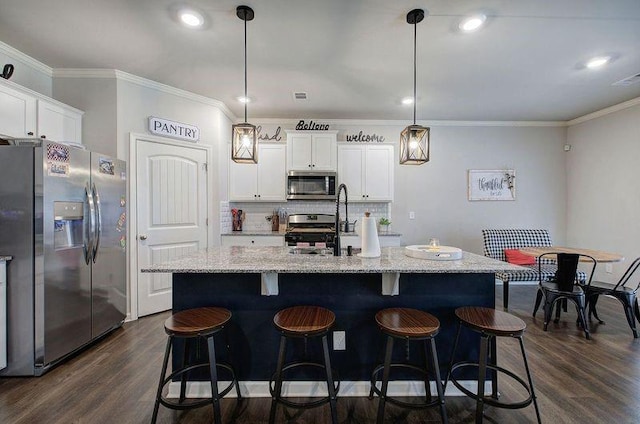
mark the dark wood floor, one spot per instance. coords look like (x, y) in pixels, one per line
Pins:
(577, 381)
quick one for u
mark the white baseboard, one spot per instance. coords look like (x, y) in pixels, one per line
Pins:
(202, 389)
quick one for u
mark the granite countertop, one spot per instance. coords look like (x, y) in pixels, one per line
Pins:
(254, 233)
(5, 258)
(280, 260)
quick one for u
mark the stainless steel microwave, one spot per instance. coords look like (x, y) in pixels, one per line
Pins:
(304, 185)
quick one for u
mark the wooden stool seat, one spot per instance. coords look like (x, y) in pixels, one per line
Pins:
(491, 321)
(406, 322)
(304, 320)
(196, 322)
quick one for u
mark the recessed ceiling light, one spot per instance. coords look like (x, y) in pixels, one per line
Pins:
(597, 62)
(243, 99)
(472, 23)
(407, 101)
(191, 18)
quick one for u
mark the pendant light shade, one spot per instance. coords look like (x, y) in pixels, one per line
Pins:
(414, 139)
(244, 140)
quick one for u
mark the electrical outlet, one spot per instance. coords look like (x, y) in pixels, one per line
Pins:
(412, 215)
(608, 268)
(339, 340)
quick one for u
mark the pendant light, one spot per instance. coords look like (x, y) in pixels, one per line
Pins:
(414, 140)
(244, 143)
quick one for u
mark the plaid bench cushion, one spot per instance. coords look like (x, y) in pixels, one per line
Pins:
(528, 274)
(495, 241)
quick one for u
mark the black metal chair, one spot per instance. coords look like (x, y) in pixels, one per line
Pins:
(564, 285)
(625, 295)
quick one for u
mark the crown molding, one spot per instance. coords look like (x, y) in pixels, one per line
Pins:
(144, 82)
(403, 123)
(605, 111)
(28, 60)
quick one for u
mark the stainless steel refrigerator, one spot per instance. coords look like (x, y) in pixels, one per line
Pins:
(62, 219)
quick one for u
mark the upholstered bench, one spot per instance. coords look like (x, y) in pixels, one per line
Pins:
(495, 243)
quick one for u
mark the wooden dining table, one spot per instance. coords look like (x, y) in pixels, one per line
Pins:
(598, 255)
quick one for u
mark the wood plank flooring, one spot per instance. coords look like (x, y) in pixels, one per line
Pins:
(576, 380)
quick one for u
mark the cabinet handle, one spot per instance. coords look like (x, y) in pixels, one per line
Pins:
(255, 195)
(30, 133)
(253, 241)
(259, 195)
(309, 165)
(143, 237)
(313, 166)
(43, 137)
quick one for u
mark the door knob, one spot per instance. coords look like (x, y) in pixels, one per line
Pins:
(143, 237)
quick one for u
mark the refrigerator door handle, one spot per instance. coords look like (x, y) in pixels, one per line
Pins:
(90, 233)
(98, 221)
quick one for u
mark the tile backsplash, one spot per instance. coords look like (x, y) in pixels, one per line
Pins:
(256, 213)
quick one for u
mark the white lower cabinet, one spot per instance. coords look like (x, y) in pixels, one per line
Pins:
(249, 240)
(261, 182)
(356, 241)
(367, 171)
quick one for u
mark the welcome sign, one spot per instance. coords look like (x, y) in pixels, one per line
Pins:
(173, 129)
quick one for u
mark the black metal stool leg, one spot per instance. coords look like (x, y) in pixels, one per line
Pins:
(439, 385)
(330, 386)
(493, 360)
(385, 380)
(453, 353)
(427, 384)
(183, 378)
(526, 367)
(278, 383)
(482, 372)
(167, 351)
(215, 397)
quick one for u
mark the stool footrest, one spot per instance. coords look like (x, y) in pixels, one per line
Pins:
(179, 405)
(310, 404)
(490, 400)
(412, 405)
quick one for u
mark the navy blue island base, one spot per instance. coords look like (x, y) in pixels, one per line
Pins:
(353, 297)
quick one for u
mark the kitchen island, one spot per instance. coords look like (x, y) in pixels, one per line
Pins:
(255, 282)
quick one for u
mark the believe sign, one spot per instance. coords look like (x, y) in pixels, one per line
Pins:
(173, 129)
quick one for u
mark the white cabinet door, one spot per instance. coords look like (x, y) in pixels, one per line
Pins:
(264, 181)
(367, 171)
(299, 152)
(58, 123)
(243, 181)
(242, 240)
(351, 170)
(312, 151)
(323, 156)
(17, 113)
(379, 173)
(272, 173)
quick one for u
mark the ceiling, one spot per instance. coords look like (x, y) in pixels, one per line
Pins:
(354, 58)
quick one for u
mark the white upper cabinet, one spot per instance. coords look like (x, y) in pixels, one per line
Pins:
(17, 113)
(27, 114)
(58, 123)
(311, 151)
(261, 182)
(367, 170)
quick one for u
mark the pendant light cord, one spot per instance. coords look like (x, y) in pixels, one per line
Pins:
(246, 99)
(415, 100)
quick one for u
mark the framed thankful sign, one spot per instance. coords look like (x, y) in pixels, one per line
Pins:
(498, 184)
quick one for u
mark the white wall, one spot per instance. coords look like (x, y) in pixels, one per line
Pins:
(97, 98)
(437, 190)
(28, 72)
(603, 197)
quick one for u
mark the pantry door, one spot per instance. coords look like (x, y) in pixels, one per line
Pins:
(171, 213)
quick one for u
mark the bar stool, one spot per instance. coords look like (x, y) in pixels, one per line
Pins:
(303, 322)
(409, 325)
(190, 324)
(491, 323)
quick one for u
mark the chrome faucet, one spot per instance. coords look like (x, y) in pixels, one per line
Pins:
(336, 242)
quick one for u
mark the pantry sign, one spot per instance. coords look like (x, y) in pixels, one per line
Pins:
(173, 129)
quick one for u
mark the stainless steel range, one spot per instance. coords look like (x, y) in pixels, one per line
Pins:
(310, 230)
